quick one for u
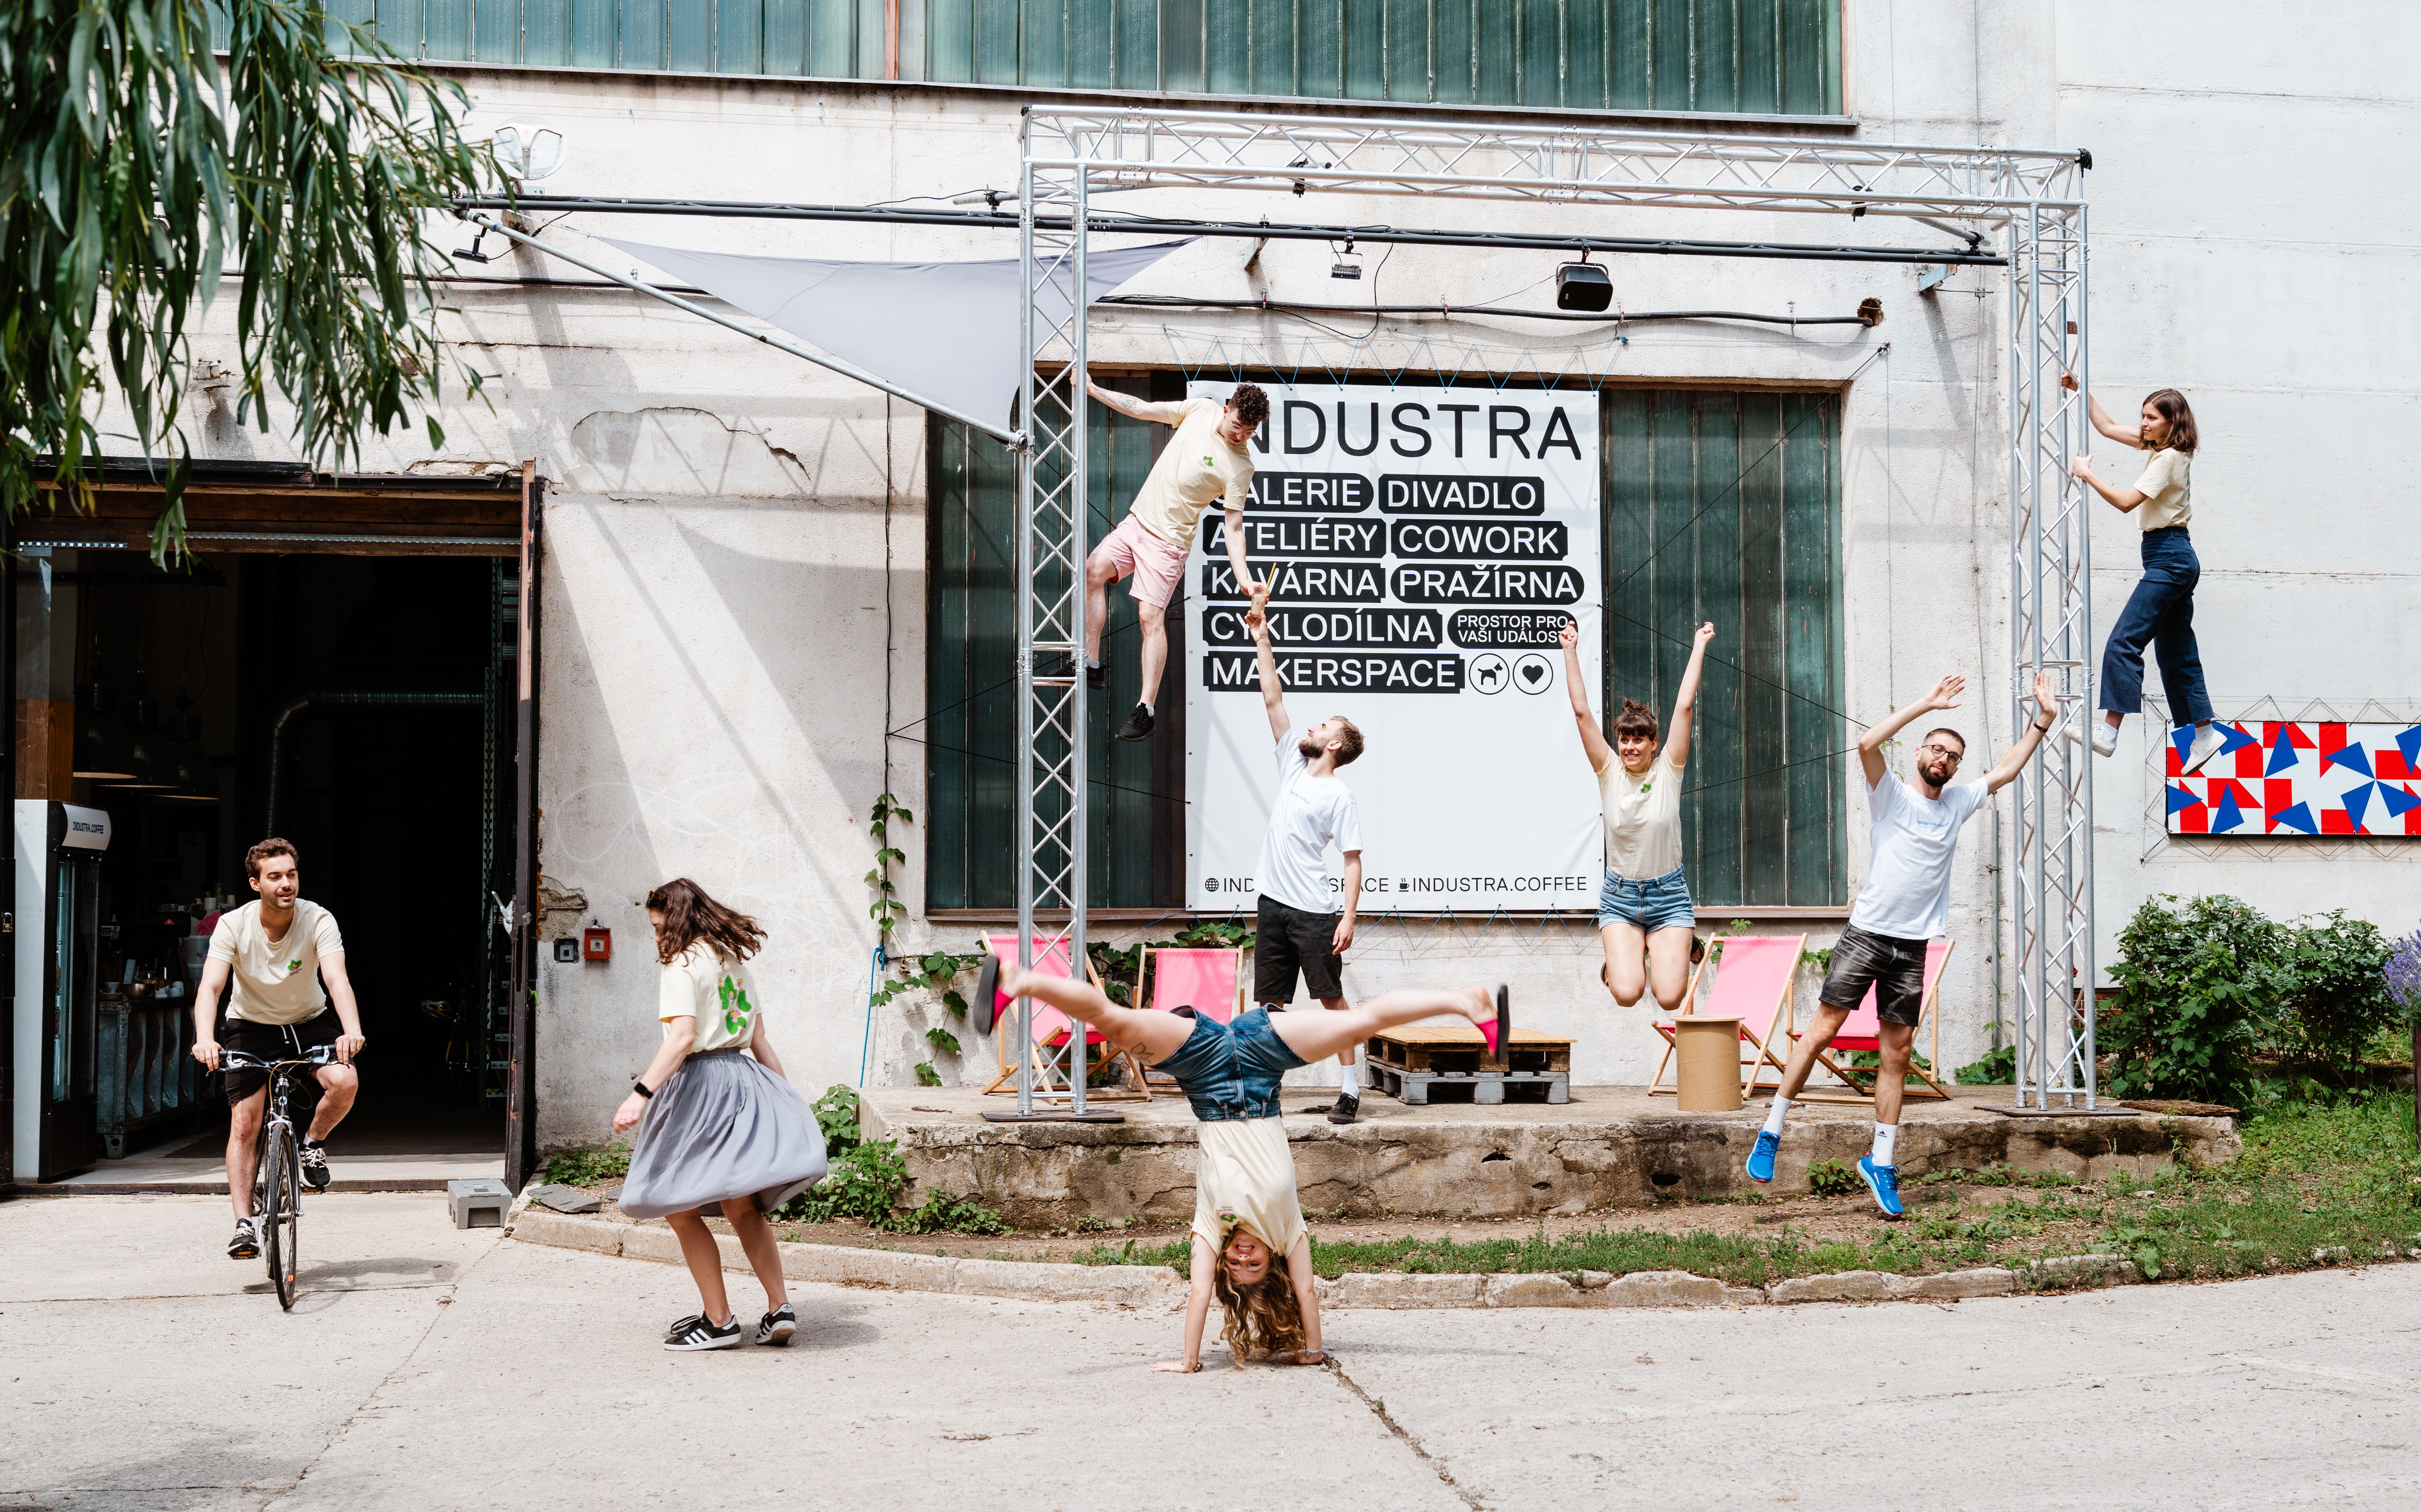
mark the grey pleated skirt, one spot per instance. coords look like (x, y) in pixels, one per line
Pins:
(723, 1128)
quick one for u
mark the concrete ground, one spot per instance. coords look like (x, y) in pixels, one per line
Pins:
(426, 1369)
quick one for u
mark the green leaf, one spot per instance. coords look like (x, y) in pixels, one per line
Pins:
(942, 1040)
(926, 1075)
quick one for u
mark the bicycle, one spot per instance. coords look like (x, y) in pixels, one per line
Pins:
(277, 1168)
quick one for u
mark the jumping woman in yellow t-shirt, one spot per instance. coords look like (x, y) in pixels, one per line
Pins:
(2160, 613)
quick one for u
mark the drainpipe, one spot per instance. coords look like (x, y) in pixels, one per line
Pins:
(891, 38)
(348, 700)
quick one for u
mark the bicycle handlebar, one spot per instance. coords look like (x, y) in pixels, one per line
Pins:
(239, 1060)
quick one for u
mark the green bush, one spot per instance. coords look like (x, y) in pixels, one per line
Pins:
(1830, 1179)
(837, 1116)
(2197, 982)
(942, 1213)
(866, 1175)
(1999, 1067)
(2333, 994)
(591, 1167)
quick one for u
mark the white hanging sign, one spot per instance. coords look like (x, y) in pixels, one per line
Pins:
(1424, 547)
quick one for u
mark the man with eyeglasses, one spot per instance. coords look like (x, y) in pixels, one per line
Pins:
(1904, 903)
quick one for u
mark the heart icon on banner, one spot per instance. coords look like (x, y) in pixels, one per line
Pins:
(1532, 673)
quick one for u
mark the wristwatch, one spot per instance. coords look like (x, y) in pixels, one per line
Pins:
(642, 1089)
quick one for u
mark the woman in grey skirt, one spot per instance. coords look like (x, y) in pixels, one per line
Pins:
(718, 1121)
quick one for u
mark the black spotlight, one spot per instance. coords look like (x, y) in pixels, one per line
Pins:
(1582, 286)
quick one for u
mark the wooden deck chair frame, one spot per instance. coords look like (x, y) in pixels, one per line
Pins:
(1043, 1077)
(1933, 1091)
(1753, 1079)
(1143, 999)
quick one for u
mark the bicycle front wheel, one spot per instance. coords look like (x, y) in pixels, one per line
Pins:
(282, 1181)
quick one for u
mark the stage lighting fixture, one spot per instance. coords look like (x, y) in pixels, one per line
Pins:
(1582, 286)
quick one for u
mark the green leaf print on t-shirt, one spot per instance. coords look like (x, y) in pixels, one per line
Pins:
(735, 1008)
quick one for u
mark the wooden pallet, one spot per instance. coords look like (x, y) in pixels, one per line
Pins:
(1420, 1088)
(1425, 1063)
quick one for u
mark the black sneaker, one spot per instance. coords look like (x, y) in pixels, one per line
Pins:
(1097, 676)
(1348, 1108)
(776, 1327)
(246, 1243)
(314, 1165)
(695, 1332)
(1137, 727)
(1054, 667)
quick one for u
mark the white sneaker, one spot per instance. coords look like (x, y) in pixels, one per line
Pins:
(2207, 744)
(2105, 739)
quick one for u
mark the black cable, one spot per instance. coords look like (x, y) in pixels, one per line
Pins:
(1179, 302)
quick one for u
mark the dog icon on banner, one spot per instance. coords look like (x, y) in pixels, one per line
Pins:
(1489, 673)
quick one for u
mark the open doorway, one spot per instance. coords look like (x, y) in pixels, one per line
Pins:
(360, 704)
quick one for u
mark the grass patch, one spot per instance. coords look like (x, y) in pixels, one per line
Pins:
(590, 1167)
(2319, 1182)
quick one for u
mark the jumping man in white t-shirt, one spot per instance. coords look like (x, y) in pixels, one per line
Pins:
(1205, 460)
(270, 956)
(1299, 928)
(1904, 904)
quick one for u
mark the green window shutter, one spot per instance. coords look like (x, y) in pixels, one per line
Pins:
(1137, 815)
(1726, 508)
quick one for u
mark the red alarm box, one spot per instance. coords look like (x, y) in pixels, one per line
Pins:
(596, 943)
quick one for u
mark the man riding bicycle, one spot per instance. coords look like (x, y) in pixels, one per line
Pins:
(275, 952)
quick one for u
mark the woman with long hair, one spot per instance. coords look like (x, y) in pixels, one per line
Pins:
(1250, 1251)
(718, 1121)
(2160, 613)
(1644, 914)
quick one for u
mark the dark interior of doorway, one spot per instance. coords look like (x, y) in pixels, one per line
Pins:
(376, 691)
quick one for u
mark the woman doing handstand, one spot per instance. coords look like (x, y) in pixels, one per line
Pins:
(1645, 913)
(1250, 1251)
(2160, 609)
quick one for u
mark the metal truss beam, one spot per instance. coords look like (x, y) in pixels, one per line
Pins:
(2051, 632)
(1251, 231)
(1140, 148)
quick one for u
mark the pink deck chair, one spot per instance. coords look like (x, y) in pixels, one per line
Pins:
(1863, 1031)
(1051, 1028)
(1209, 979)
(1753, 973)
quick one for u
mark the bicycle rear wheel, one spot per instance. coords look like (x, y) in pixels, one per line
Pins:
(282, 1179)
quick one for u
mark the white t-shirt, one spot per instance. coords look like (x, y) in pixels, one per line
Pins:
(2168, 487)
(1196, 467)
(1906, 893)
(1643, 817)
(1310, 813)
(704, 984)
(279, 983)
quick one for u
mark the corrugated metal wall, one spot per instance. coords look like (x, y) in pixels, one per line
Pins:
(1733, 56)
(1726, 507)
(1722, 506)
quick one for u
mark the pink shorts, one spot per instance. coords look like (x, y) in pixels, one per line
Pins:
(1157, 567)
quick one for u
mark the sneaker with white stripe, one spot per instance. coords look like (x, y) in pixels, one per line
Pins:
(695, 1332)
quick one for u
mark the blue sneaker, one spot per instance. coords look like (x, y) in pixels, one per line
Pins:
(1760, 1159)
(1883, 1181)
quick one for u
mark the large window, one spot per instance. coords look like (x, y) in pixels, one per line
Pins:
(1726, 56)
(1720, 506)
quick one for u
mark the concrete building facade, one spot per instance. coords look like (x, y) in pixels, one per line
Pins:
(737, 560)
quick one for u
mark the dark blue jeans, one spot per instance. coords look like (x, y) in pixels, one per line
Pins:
(2160, 613)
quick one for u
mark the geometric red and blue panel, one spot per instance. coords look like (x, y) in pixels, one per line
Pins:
(2287, 779)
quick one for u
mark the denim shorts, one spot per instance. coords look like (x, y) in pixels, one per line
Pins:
(1659, 903)
(1231, 1070)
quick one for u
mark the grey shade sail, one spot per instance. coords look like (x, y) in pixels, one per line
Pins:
(945, 331)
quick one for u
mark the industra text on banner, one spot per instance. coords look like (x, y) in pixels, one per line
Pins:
(1424, 547)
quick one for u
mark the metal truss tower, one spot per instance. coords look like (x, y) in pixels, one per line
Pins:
(2029, 198)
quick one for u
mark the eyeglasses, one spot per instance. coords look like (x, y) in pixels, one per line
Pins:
(1943, 751)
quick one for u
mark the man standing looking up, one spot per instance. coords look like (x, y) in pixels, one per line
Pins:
(274, 952)
(1204, 461)
(1298, 927)
(1904, 903)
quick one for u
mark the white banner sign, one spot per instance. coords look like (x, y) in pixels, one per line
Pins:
(1424, 547)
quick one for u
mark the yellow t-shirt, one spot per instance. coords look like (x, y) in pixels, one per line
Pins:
(1196, 467)
(702, 983)
(1643, 818)
(2168, 487)
(275, 983)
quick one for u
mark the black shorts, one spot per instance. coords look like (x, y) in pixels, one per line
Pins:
(1289, 940)
(1895, 968)
(270, 1042)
